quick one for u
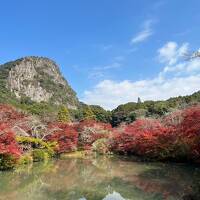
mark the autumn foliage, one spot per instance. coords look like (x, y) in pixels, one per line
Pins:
(188, 131)
(176, 137)
(10, 116)
(138, 138)
(9, 149)
(65, 135)
(89, 131)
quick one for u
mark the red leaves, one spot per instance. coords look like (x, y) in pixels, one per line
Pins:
(9, 149)
(65, 135)
(177, 137)
(137, 138)
(8, 144)
(9, 116)
(189, 130)
(190, 124)
(92, 123)
(89, 131)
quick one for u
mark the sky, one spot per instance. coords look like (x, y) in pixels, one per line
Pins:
(110, 51)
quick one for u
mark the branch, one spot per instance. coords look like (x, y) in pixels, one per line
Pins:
(193, 55)
(21, 130)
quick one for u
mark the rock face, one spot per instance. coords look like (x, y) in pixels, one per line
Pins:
(40, 80)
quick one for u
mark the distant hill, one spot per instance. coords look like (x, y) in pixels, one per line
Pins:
(130, 111)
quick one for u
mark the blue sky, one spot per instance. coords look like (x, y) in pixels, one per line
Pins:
(110, 51)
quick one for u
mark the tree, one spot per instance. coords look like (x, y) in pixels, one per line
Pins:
(131, 117)
(9, 149)
(87, 113)
(65, 136)
(158, 108)
(101, 115)
(63, 114)
(118, 118)
(193, 55)
(90, 130)
(138, 138)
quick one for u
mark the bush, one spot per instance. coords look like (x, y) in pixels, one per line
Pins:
(9, 116)
(148, 138)
(101, 146)
(137, 138)
(185, 126)
(89, 131)
(40, 155)
(25, 159)
(29, 143)
(9, 149)
(175, 138)
(65, 136)
(7, 161)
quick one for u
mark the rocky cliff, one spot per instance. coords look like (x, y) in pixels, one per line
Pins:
(39, 79)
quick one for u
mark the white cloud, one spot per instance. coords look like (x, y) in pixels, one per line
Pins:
(194, 66)
(145, 33)
(170, 52)
(110, 94)
(179, 77)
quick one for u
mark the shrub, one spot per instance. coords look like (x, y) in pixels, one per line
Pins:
(9, 149)
(101, 146)
(65, 136)
(9, 116)
(40, 155)
(29, 143)
(7, 161)
(147, 138)
(175, 138)
(25, 159)
(185, 126)
(89, 131)
(137, 138)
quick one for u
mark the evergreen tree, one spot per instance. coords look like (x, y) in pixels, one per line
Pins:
(87, 113)
(63, 114)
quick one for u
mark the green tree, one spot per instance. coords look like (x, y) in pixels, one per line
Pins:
(118, 118)
(101, 114)
(63, 114)
(87, 113)
(131, 117)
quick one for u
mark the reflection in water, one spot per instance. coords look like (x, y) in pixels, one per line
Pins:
(101, 178)
(114, 196)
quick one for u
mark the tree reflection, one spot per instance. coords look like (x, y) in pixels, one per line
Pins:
(100, 178)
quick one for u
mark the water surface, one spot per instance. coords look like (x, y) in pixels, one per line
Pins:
(100, 178)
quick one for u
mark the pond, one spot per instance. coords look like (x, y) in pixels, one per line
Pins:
(100, 178)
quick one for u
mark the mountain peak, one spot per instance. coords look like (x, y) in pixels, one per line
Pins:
(39, 79)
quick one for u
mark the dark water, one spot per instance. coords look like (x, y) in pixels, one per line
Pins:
(101, 178)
